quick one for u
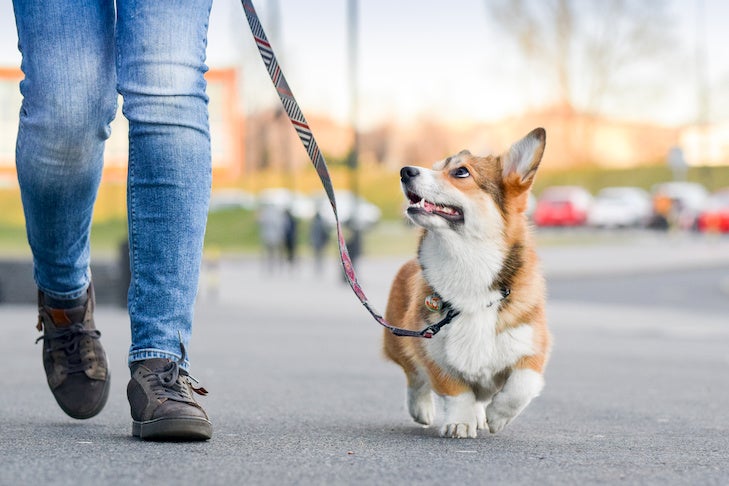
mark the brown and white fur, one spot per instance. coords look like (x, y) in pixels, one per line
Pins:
(488, 363)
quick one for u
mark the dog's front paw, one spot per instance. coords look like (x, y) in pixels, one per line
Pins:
(461, 418)
(459, 431)
(497, 419)
(520, 388)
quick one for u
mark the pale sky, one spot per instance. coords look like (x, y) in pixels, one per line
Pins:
(436, 59)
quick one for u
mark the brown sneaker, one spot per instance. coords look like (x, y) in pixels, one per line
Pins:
(162, 404)
(73, 358)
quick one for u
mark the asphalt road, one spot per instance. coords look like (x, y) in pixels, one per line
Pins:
(637, 392)
(704, 290)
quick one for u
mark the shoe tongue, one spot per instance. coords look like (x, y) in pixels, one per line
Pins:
(66, 317)
(154, 364)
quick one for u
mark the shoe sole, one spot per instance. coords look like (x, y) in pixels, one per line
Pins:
(179, 428)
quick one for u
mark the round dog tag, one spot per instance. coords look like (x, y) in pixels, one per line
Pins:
(433, 302)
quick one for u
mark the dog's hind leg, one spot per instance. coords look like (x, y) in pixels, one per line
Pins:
(485, 392)
(419, 394)
(420, 397)
(481, 423)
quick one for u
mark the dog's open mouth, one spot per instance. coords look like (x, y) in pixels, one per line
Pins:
(420, 205)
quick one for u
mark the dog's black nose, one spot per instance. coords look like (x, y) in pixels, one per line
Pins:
(408, 172)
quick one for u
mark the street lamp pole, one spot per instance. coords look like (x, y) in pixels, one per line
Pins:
(352, 44)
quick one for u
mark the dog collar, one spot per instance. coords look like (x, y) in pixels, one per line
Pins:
(435, 303)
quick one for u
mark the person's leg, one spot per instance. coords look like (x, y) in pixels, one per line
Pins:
(161, 66)
(69, 99)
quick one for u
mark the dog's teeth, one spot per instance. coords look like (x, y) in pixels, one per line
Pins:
(418, 204)
(431, 207)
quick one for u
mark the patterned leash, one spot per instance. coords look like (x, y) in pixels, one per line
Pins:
(307, 138)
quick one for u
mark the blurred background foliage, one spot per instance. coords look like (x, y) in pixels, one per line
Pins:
(236, 230)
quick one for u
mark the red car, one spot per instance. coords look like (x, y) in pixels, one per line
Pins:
(715, 216)
(562, 206)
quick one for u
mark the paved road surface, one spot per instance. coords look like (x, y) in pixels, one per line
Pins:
(636, 393)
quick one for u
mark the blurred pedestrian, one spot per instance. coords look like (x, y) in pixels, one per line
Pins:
(291, 235)
(77, 57)
(319, 238)
(662, 210)
(210, 288)
(272, 228)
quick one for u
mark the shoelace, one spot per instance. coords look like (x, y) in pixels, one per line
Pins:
(68, 340)
(173, 382)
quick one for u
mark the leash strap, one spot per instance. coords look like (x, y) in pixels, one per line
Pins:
(312, 149)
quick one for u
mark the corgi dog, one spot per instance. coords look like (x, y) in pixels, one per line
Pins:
(476, 271)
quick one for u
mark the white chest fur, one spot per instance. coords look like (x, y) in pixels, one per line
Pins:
(462, 271)
(470, 348)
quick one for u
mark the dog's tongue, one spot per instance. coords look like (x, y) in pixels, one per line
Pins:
(429, 206)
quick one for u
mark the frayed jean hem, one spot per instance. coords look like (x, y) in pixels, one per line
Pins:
(142, 354)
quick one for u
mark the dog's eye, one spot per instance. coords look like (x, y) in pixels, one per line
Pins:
(460, 172)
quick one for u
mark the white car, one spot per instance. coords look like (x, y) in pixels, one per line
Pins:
(301, 206)
(620, 207)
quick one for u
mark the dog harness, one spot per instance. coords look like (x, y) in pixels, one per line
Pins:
(312, 149)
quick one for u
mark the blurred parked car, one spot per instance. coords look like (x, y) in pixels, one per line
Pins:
(620, 207)
(715, 216)
(679, 202)
(367, 214)
(562, 206)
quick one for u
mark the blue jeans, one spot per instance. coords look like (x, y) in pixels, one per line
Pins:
(77, 55)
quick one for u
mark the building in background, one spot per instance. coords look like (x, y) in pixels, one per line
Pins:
(9, 108)
(227, 129)
(706, 145)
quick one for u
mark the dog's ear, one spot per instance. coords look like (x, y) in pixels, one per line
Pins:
(520, 163)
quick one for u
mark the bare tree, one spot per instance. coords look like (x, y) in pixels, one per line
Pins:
(584, 45)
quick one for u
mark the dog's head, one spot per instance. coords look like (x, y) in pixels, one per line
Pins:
(469, 193)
